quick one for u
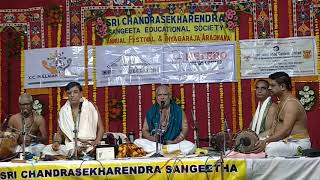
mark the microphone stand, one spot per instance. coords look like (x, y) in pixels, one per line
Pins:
(24, 137)
(226, 130)
(75, 131)
(221, 165)
(158, 132)
(195, 130)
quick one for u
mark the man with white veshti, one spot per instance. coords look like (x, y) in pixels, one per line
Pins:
(291, 133)
(89, 125)
(266, 111)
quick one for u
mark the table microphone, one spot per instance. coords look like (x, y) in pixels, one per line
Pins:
(80, 107)
(162, 104)
(25, 113)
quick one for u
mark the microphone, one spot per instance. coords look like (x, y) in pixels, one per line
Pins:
(195, 129)
(225, 127)
(162, 104)
(245, 141)
(80, 106)
(25, 113)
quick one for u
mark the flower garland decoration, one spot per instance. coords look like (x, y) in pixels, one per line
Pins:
(50, 115)
(193, 98)
(209, 111)
(153, 89)
(231, 18)
(276, 21)
(250, 27)
(318, 46)
(307, 97)
(239, 82)
(115, 109)
(86, 60)
(194, 107)
(182, 96)
(59, 35)
(58, 90)
(234, 108)
(106, 99)
(49, 36)
(140, 109)
(124, 110)
(50, 89)
(22, 65)
(37, 106)
(290, 19)
(94, 50)
(253, 95)
(58, 45)
(221, 95)
(58, 99)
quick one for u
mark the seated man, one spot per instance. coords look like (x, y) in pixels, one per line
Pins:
(35, 126)
(89, 125)
(173, 123)
(290, 132)
(266, 111)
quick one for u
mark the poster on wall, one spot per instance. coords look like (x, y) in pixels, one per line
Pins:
(199, 63)
(141, 29)
(170, 63)
(128, 65)
(262, 57)
(52, 67)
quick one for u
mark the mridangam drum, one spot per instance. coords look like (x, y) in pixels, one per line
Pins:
(7, 148)
(217, 141)
(246, 140)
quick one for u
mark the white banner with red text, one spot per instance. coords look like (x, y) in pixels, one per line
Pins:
(169, 63)
(132, 65)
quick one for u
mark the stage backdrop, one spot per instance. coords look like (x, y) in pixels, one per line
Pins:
(63, 23)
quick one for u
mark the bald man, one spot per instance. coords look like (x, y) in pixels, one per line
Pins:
(35, 125)
(172, 120)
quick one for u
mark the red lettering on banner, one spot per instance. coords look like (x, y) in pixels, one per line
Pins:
(214, 55)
